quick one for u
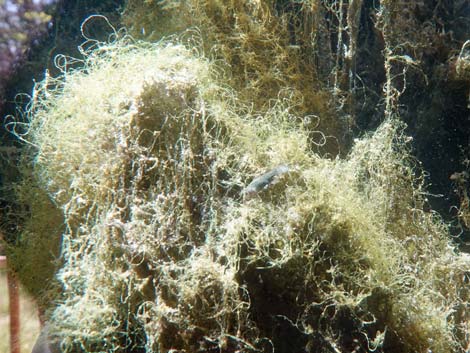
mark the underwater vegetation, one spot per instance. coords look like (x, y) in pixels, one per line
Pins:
(204, 188)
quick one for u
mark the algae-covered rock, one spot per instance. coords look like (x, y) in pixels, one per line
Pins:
(199, 210)
(145, 154)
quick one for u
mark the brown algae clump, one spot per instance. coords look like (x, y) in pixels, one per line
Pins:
(146, 154)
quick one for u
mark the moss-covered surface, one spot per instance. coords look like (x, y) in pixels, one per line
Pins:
(269, 50)
(334, 55)
(141, 159)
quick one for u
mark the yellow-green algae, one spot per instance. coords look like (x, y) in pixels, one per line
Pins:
(267, 49)
(145, 151)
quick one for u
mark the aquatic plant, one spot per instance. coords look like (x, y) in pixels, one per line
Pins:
(140, 159)
(145, 153)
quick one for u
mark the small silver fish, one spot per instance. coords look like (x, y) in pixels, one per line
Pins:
(264, 181)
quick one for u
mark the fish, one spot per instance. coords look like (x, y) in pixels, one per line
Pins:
(264, 181)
